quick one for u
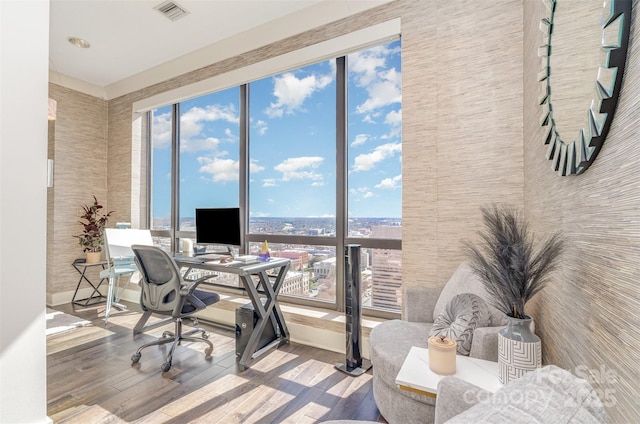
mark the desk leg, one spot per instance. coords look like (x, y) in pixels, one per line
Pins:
(107, 310)
(265, 314)
(277, 284)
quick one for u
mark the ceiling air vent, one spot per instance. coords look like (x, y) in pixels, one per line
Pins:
(171, 10)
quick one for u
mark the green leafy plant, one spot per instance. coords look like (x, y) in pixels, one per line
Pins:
(513, 266)
(92, 235)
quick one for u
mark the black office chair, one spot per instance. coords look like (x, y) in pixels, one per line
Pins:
(165, 292)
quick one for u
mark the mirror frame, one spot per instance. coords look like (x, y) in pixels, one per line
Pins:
(575, 156)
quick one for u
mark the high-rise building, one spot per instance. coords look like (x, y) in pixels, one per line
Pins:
(386, 290)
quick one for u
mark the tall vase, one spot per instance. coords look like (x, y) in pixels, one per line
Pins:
(519, 349)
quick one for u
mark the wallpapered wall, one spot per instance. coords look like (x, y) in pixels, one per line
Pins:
(78, 146)
(462, 120)
(469, 101)
(589, 317)
(462, 131)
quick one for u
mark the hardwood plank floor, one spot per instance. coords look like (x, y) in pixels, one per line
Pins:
(91, 379)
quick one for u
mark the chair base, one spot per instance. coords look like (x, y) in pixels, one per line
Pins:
(175, 338)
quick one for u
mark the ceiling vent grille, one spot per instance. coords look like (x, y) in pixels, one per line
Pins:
(171, 10)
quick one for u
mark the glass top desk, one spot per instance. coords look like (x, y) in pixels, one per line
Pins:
(263, 294)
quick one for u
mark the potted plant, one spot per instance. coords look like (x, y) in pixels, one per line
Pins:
(514, 267)
(92, 235)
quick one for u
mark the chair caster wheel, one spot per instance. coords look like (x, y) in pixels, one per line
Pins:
(166, 366)
(205, 336)
(135, 358)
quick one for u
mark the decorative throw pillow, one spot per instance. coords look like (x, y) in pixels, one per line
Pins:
(460, 316)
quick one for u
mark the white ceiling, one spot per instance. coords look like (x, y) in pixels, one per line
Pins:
(129, 38)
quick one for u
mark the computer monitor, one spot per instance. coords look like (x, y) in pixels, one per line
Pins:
(218, 226)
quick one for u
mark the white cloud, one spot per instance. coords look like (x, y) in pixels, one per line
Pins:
(269, 182)
(162, 130)
(394, 118)
(254, 167)
(360, 193)
(300, 168)
(390, 183)
(317, 184)
(370, 70)
(383, 92)
(367, 161)
(360, 139)
(261, 126)
(220, 170)
(394, 121)
(209, 113)
(192, 124)
(291, 92)
(368, 119)
(197, 144)
(364, 65)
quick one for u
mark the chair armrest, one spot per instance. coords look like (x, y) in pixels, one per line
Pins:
(187, 290)
(485, 343)
(456, 396)
(419, 303)
(190, 285)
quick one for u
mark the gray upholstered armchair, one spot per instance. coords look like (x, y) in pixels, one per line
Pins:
(547, 395)
(391, 341)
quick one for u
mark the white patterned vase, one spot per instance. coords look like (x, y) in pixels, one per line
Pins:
(519, 349)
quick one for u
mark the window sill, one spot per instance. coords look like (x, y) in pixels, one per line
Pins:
(307, 325)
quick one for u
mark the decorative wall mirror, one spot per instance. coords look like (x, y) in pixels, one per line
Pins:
(584, 41)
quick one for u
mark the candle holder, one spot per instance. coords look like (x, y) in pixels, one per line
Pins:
(442, 355)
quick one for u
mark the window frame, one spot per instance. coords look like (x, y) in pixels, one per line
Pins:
(341, 238)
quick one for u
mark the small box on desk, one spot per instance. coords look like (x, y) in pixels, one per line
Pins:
(246, 258)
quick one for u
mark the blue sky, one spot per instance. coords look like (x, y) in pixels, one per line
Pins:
(292, 143)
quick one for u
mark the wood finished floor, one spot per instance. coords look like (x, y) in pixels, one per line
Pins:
(91, 379)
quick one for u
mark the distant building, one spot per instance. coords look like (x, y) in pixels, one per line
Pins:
(322, 269)
(299, 258)
(296, 283)
(386, 283)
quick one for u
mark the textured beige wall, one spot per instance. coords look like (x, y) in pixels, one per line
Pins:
(589, 316)
(463, 131)
(462, 120)
(79, 150)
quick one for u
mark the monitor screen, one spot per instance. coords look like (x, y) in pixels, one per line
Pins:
(218, 226)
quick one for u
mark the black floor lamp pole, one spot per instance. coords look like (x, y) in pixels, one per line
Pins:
(354, 364)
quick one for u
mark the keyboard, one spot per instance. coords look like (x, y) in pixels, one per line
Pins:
(208, 257)
(189, 259)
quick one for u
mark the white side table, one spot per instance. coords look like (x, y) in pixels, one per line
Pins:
(416, 376)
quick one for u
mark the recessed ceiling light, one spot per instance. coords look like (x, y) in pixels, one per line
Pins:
(79, 42)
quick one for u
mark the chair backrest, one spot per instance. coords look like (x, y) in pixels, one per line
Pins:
(161, 280)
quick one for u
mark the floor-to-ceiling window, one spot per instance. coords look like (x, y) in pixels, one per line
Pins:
(323, 154)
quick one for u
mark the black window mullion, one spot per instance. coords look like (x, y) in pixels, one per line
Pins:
(244, 167)
(341, 176)
(149, 190)
(175, 175)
